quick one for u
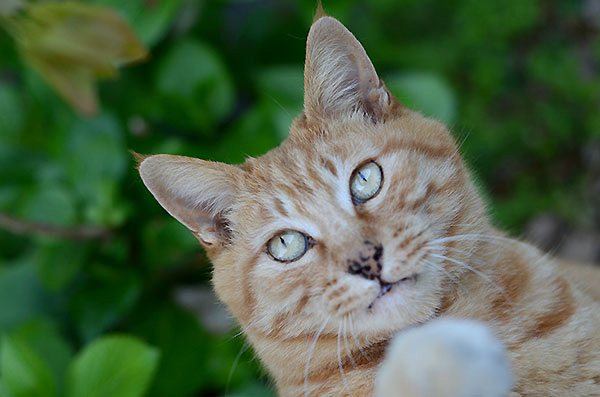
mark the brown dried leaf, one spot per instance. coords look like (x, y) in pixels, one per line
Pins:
(71, 44)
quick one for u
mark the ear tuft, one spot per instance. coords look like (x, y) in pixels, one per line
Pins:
(200, 194)
(320, 11)
(138, 157)
(339, 78)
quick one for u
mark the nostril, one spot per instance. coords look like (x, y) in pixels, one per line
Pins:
(378, 253)
(385, 288)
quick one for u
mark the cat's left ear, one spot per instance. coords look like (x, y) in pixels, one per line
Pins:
(339, 78)
(200, 194)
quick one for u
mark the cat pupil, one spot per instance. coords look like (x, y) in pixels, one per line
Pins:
(282, 241)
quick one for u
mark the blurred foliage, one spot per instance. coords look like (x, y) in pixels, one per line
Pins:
(89, 261)
(71, 43)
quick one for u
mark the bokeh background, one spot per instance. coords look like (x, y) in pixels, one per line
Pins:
(101, 290)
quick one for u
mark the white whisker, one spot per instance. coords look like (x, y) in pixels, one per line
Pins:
(479, 273)
(348, 352)
(310, 353)
(488, 238)
(339, 356)
(447, 273)
(234, 365)
(460, 145)
(360, 349)
(471, 268)
(243, 331)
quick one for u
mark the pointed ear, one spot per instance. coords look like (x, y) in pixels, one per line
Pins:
(197, 193)
(339, 78)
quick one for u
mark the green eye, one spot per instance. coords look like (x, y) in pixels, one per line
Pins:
(366, 181)
(287, 246)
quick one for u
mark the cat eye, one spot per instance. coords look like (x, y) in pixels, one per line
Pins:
(287, 246)
(366, 181)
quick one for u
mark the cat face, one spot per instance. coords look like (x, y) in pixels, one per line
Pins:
(341, 225)
(367, 259)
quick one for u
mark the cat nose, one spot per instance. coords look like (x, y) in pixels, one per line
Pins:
(367, 262)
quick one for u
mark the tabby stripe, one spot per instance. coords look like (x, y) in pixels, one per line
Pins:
(329, 166)
(277, 336)
(279, 206)
(559, 313)
(374, 355)
(431, 151)
(513, 281)
(247, 292)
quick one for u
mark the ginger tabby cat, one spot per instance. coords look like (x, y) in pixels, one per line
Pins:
(365, 224)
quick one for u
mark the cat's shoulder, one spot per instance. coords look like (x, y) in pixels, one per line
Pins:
(584, 276)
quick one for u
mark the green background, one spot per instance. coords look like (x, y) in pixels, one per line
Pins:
(516, 80)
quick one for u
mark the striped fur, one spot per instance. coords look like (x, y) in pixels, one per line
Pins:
(322, 331)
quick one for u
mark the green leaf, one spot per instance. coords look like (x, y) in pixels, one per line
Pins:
(253, 389)
(50, 204)
(106, 207)
(183, 345)
(58, 262)
(10, 7)
(256, 132)
(23, 371)
(283, 85)
(21, 294)
(167, 242)
(45, 340)
(12, 114)
(282, 92)
(17, 165)
(150, 20)
(4, 392)
(116, 366)
(196, 84)
(105, 162)
(99, 304)
(426, 93)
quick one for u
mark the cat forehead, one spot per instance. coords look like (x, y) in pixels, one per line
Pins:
(339, 146)
(296, 183)
(311, 165)
(307, 178)
(328, 145)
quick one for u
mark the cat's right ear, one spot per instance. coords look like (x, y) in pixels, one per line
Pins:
(339, 78)
(197, 193)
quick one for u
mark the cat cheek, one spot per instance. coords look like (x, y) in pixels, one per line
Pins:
(353, 295)
(393, 272)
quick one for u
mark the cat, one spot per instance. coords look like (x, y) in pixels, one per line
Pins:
(365, 224)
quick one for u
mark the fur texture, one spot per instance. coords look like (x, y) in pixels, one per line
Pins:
(321, 329)
(445, 357)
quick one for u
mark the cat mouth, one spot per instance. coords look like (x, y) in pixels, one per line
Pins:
(388, 287)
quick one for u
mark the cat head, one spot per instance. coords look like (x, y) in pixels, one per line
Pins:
(341, 221)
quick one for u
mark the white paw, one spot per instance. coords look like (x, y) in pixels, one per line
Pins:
(445, 358)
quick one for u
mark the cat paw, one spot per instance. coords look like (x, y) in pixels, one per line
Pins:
(445, 358)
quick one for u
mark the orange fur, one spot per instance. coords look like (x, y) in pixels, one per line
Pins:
(322, 331)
